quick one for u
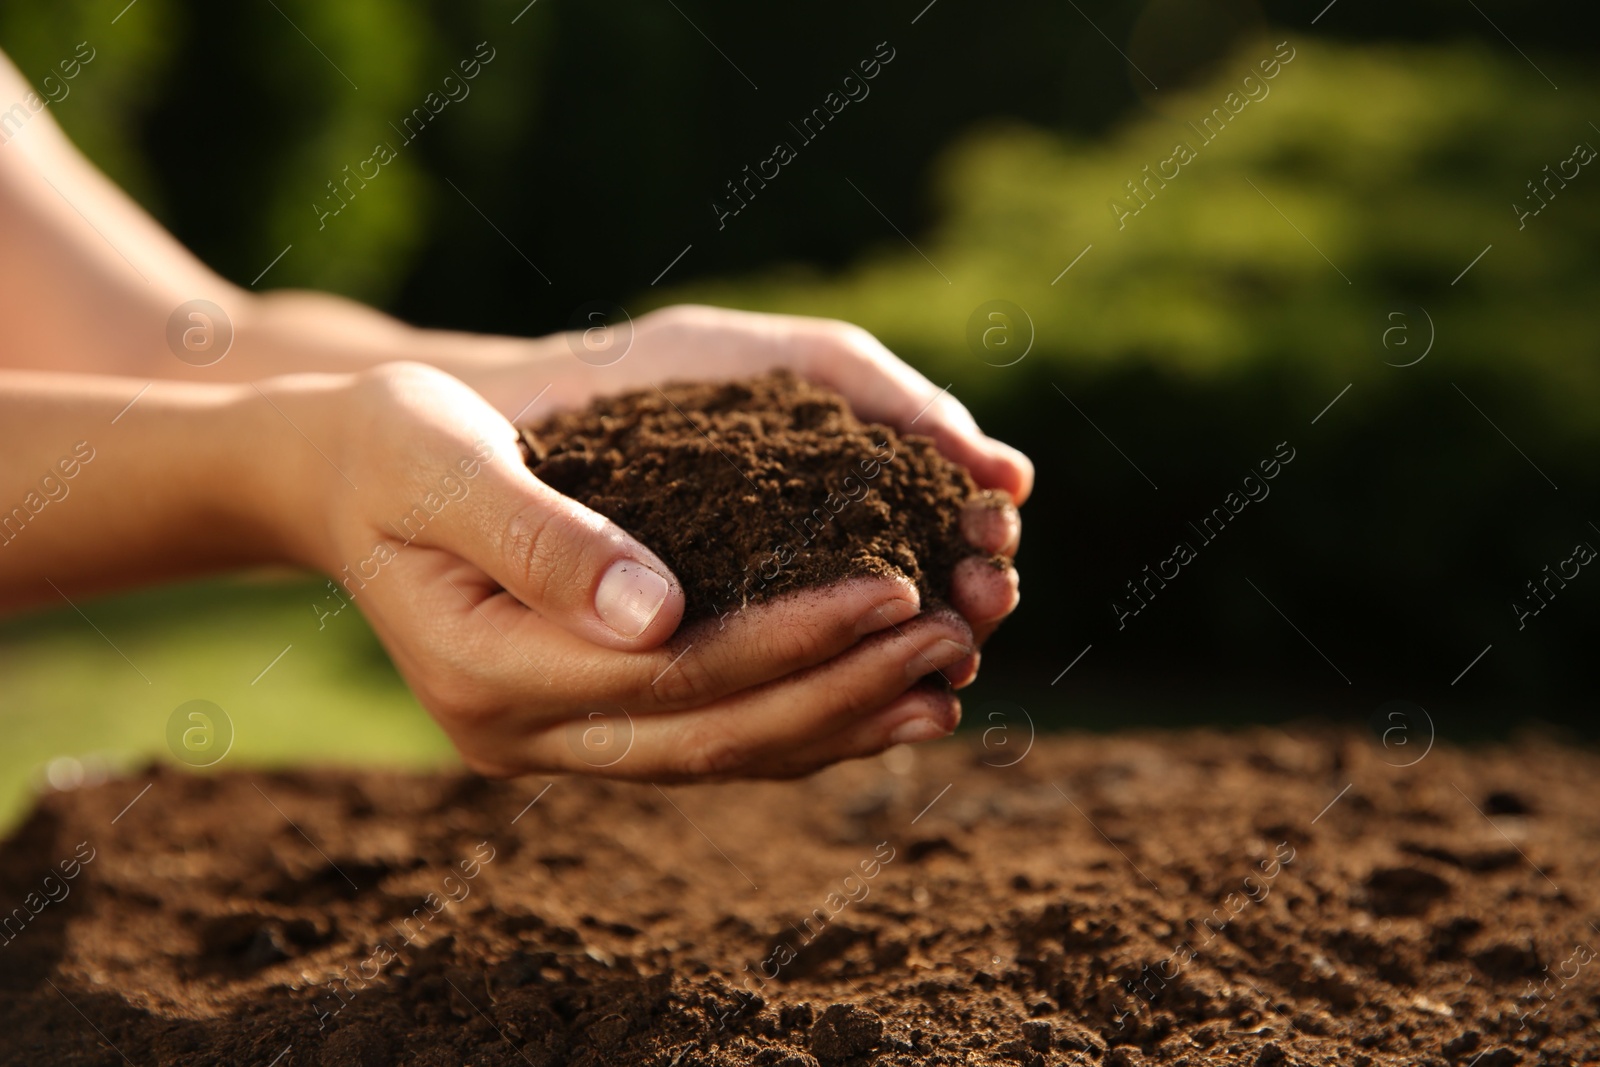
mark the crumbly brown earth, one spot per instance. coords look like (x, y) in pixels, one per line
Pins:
(1192, 899)
(753, 487)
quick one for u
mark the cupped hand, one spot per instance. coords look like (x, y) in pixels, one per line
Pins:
(537, 632)
(709, 342)
(696, 342)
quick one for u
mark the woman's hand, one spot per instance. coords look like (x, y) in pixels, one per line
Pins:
(524, 622)
(687, 342)
(710, 342)
(536, 631)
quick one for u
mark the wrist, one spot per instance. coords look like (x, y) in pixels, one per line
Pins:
(159, 480)
(289, 332)
(282, 333)
(278, 464)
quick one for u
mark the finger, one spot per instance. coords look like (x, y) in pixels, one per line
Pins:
(965, 673)
(760, 643)
(725, 738)
(891, 391)
(471, 653)
(571, 565)
(985, 591)
(709, 659)
(878, 384)
(924, 712)
(991, 524)
(992, 464)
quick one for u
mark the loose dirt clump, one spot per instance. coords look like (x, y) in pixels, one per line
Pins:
(750, 488)
(1125, 901)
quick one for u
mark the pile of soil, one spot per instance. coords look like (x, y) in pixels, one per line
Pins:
(1264, 899)
(752, 487)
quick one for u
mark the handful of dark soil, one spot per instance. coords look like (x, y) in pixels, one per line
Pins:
(750, 488)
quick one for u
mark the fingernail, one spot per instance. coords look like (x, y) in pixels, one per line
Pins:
(914, 730)
(964, 673)
(630, 597)
(936, 657)
(991, 523)
(996, 499)
(889, 613)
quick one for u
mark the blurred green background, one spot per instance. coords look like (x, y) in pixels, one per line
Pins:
(1185, 342)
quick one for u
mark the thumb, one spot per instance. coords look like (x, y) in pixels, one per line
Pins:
(572, 565)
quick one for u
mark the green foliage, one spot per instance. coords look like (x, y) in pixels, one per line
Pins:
(265, 106)
(340, 115)
(101, 110)
(333, 697)
(1398, 165)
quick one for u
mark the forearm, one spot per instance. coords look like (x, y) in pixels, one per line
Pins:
(84, 271)
(300, 332)
(97, 493)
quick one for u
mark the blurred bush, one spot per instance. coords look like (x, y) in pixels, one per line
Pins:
(234, 124)
(1397, 165)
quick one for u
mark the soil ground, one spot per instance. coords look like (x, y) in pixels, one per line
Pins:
(1264, 899)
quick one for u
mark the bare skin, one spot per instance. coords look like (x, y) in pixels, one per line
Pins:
(512, 611)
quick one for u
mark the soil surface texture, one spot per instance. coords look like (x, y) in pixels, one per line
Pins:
(753, 487)
(1263, 899)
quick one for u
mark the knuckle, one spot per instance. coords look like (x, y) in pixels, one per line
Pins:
(461, 702)
(857, 340)
(791, 647)
(536, 546)
(848, 343)
(712, 755)
(844, 701)
(687, 683)
(401, 378)
(474, 722)
(671, 314)
(488, 767)
(455, 707)
(788, 772)
(676, 322)
(763, 649)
